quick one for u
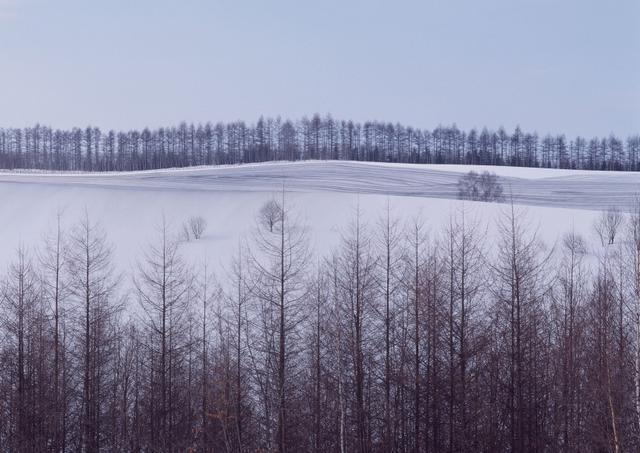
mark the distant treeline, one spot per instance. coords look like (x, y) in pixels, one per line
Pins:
(91, 149)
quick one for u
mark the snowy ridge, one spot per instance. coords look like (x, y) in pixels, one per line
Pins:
(530, 186)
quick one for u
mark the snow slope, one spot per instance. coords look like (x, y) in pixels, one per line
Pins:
(130, 205)
(533, 186)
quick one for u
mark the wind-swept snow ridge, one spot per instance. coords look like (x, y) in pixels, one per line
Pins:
(530, 186)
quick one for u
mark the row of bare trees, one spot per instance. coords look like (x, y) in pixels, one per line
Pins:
(91, 149)
(401, 339)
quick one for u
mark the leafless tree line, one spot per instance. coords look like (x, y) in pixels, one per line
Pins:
(91, 149)
(401, 339)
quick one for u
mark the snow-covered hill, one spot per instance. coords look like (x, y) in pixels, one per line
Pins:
(534, 186)
(129, 205)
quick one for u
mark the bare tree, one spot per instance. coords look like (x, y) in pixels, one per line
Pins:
(389, 244)
(206, 299)
(162, 284)
(480, 187)
(93, 283)
(197, 226)
(279, 263)
(568, 313)
(319, 361)
(53, 261)
(417, 293)
(607, 224)
(357, 265)
(463, 258)
(604, 426)
(270, 214)
(518, 289)
(20, 297)
(238, 298)
(634, 241)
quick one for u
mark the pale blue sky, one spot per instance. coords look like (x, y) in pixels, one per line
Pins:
(569, 66)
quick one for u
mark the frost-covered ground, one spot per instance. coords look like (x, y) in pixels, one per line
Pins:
(130, 205)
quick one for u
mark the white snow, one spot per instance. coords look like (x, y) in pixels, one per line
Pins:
(130, 205)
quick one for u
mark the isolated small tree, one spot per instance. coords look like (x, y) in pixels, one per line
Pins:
(197, 226)
(270, 214)
(480, 187)
(606, 226)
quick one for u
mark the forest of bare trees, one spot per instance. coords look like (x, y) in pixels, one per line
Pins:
(401, 339)
(91, 149)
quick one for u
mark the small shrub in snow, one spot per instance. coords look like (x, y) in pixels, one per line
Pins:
(480, 187)
(197, 226)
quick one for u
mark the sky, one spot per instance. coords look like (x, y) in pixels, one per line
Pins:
(551, 66)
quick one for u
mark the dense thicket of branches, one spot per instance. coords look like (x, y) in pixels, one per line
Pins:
(396, 341)
(91, 149)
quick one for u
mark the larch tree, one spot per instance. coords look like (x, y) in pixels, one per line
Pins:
(279, 263)
(53, 262)
(162, 284)
(634, 241)
(519, 291)
(388, 238)
(93, 285)
(357, 265)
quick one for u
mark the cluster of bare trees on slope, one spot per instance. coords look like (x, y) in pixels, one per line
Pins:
(91, 149)
(401, 339)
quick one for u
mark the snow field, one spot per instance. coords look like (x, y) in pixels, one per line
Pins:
(324, 196)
